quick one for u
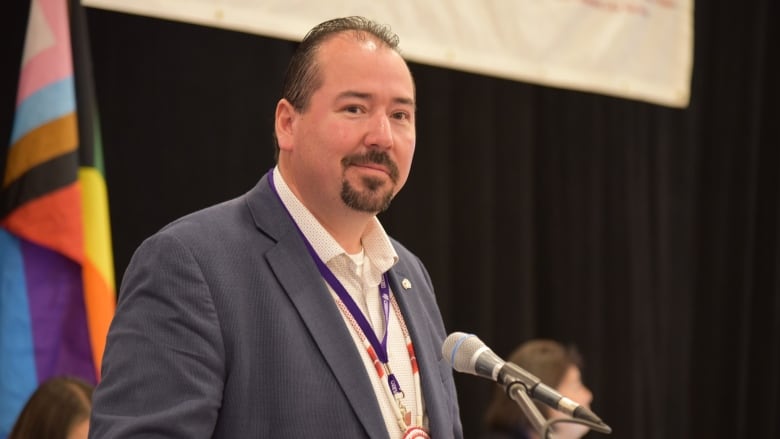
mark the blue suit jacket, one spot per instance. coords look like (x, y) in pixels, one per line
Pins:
(224, 328)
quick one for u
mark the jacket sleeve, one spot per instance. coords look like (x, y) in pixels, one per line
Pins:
(163, 367)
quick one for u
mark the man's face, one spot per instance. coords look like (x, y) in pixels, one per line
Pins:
(355, 141)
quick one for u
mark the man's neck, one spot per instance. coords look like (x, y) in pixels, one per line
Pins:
(345, 224)
(346, 229)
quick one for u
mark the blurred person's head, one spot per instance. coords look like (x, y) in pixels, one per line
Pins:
(555, 365)
(58, 409)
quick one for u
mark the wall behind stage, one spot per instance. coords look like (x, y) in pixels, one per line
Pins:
(647, 236)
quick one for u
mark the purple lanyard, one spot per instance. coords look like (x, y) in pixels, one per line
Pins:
(379, 347)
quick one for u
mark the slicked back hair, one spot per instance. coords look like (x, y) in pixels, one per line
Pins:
(302, 78)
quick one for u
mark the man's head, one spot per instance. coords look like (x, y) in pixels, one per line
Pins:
(345, 127)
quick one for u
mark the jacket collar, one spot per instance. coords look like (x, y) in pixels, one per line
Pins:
(302, 282)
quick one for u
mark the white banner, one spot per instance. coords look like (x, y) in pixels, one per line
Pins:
(637, 49)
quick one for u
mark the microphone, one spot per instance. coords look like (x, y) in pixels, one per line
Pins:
(468, 354)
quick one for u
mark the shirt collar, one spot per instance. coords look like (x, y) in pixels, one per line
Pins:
(376, 243)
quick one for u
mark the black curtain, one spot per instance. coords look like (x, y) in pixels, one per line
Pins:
(646, 236)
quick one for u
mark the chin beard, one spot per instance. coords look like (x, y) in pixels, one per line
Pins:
(371, 200)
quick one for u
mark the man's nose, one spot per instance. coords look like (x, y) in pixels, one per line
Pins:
(380, 133)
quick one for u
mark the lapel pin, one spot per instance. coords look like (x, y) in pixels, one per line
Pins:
(406, 284)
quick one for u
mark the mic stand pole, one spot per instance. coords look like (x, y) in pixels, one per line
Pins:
(517, 391)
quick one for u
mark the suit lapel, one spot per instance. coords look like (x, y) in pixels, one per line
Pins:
(303, 284)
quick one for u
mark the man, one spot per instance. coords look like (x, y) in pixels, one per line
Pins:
(288, 312)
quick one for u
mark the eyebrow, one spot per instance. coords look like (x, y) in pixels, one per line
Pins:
(367, 96)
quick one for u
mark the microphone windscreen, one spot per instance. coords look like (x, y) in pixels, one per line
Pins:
(459, 349)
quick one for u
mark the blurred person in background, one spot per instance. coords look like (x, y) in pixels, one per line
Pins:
(555, 365)
(58, 409)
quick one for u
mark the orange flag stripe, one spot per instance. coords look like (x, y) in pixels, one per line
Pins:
(100, 304)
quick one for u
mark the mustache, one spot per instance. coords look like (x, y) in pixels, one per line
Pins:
(380, 158)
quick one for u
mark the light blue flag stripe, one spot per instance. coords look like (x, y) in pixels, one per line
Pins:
(49, 103)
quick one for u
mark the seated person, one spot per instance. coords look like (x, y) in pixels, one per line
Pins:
(557, 367)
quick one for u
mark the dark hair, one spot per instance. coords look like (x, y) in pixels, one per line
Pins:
(549, 361)
(55, 407)
(303, 78)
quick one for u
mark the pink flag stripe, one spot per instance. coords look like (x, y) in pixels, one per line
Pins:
(50, 61)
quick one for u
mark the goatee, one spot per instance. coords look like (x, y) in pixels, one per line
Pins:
(371, 199)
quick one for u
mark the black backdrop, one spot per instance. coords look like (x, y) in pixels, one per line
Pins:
(645, 235)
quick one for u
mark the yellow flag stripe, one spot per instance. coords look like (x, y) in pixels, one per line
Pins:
(97, 226)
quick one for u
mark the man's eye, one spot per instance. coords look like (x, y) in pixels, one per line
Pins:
(401, 115)
(352, 109)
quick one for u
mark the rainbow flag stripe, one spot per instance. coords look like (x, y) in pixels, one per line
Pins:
(57, 293)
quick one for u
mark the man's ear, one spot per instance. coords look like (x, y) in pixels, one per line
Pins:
(283, 124)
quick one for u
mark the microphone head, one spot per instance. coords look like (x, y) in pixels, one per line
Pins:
(454, 352)
(468, 354)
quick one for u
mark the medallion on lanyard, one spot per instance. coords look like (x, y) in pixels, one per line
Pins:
(416, 432)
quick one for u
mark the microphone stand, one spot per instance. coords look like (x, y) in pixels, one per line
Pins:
(518, 392)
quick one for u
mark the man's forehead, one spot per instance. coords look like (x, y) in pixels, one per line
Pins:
(331, 62)
(356, 38)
